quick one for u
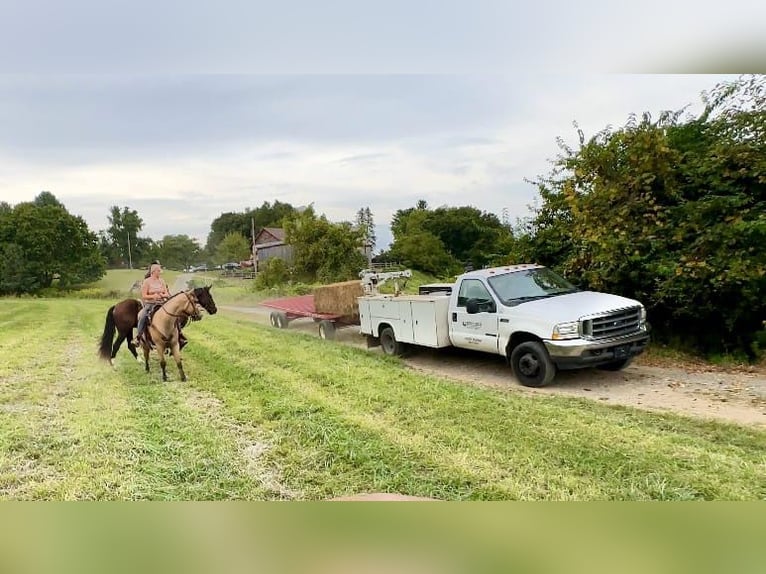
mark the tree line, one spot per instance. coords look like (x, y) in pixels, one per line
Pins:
(671, 211)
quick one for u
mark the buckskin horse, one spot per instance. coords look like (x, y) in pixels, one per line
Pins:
(123, 318)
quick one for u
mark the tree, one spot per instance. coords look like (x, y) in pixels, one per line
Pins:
(465, 234)
(670, 212)
(424, 251)
(124, 226)
(268, 215)
(177, 251)
(365, 223)
(41, 242)
(323, 250)
(233, 247)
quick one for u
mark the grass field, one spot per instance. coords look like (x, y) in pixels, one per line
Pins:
(273, 414)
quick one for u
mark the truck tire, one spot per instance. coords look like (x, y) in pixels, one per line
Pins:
(389, 344)
(617, 365)
(326, 330)
(532, 365)
(273, 318)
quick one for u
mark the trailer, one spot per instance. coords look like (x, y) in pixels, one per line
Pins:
(287, 309)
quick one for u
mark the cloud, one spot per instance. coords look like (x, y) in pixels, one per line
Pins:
(183, 149)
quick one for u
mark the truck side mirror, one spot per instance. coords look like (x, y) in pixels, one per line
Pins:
(472, 306)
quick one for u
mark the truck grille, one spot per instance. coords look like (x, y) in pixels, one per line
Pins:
(614, 324)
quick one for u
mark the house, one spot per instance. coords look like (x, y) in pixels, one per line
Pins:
(270, 243)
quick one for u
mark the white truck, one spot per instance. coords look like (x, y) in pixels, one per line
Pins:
(529, 314)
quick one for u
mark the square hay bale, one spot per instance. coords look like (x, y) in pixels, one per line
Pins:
(339, 299)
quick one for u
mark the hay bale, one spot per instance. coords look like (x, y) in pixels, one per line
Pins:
(339, 299)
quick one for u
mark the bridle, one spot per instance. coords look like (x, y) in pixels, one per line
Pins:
(195, 314)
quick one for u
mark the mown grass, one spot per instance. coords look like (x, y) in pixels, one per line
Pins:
(279, 414)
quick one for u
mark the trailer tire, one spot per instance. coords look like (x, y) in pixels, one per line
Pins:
(278, 320)
(326, 330)
(389, 344)
(532, 365)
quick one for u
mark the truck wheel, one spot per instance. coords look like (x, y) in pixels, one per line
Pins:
(273, 318)
(617, 365)
(532, 365)
(327, 329)
(389, 344)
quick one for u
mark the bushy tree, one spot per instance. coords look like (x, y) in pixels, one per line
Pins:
(177, 251)
(233, 247)
(41, 241)
(323, 250)
(267, 215)
(670, 211)
(465, 234)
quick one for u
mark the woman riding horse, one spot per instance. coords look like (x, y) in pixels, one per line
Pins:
(153, 292)
(164, 330)
(122, 318)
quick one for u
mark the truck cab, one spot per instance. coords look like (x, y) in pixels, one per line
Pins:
(529, 314)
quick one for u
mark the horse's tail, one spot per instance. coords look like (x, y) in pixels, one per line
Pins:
(105, 348)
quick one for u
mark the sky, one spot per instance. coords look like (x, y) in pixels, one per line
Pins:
(377, 115)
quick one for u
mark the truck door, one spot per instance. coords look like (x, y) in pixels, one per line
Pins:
(474, 330)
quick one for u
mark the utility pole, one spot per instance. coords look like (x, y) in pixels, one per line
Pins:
(130, 257)
(252, 242)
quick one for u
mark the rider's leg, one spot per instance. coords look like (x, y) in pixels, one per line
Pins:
(142, 315)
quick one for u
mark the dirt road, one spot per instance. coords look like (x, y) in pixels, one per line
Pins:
(705, 392)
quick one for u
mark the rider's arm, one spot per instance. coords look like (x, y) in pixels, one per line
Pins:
(145, 290)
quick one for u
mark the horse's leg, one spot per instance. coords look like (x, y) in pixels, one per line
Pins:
(145, 347)
(163, 363)
(176, 350)
(120, 338)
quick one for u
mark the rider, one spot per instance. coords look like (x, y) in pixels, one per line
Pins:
(153, 292)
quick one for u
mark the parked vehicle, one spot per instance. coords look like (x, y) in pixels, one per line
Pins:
(529, 314)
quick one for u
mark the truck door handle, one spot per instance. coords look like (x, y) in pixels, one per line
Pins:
(454, 317)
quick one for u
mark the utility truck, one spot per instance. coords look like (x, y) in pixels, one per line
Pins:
(529, 314)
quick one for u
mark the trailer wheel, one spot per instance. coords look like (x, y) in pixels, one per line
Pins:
(389, 344)
(532, 365)
(278, 320)
(326, 329)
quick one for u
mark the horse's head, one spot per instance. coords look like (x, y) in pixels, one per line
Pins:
(205, 299)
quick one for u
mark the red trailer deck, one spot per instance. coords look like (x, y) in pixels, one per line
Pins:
(298, 307)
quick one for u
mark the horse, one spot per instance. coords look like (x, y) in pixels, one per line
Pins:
(162, 329)
(123, 318)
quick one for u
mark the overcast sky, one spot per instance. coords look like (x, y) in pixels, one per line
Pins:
(182, 129)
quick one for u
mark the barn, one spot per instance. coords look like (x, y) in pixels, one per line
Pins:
(270, 243)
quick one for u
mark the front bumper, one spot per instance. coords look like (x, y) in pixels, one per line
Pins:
(578, 353)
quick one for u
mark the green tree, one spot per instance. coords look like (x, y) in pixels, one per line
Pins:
(267, 215)
(466, 234)
(124, 225)
(671, 212)
(233, 247)
(177, 251)
(323, 250)
(41, 242)
(424, 251)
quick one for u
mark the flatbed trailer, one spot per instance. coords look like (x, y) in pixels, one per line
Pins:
(288, 309)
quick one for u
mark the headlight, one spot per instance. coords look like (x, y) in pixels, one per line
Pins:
(642, 321)
(566, 331)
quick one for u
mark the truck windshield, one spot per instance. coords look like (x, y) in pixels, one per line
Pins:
(528, 285)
